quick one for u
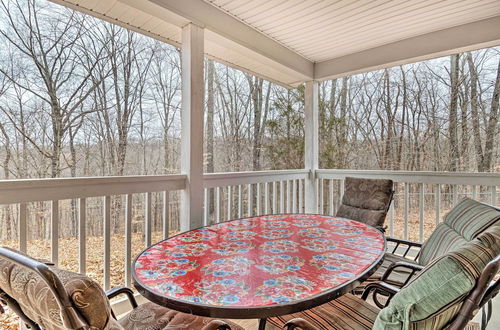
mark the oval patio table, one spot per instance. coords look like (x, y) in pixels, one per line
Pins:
(259, 267)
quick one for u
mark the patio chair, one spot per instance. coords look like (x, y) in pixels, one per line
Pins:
(366, 200)
(446, 294)
(462, 224)
(45, 297)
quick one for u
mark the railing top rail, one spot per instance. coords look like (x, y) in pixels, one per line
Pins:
(486, 179)
(32, 190)
(212, 180)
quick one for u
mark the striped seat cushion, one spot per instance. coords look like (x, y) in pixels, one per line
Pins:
(346, 312)
(432, 299)
(475, 255)
(443, 239)
(462, 224)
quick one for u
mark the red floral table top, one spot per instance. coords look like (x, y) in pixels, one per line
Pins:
(260, 261)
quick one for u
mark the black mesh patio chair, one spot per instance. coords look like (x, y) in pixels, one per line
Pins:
(45, 297)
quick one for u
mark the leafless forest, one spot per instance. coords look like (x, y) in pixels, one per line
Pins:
(81, 97)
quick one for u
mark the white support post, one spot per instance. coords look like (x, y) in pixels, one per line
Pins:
(193, 83)
(311, 145)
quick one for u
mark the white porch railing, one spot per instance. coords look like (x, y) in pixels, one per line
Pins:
(22, 192)
(420, 201)
(436, 190)
(235, 195)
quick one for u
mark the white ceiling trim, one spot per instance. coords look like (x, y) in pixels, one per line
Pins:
(466, 37)
(215, 20)
(72, 4)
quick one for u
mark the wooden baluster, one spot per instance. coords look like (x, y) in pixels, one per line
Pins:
(23, 228)
(266, 197)
(330, 197)
(406, 208)
(82, 235)
(206, 207)
(301, 196)
(107, 241)
(240, 201)
(229, 202)
(128, 239)
(421, 202)
(148, 221)
(218, 204)
(275, 198)
(54, 231)
(250, 200)
(438, 203)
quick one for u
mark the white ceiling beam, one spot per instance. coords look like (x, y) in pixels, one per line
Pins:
(223, 24)
(466, 37)
(89, 11)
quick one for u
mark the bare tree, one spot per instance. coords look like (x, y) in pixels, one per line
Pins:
(55, 53)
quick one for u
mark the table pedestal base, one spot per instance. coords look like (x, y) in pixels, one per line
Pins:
(262, 324)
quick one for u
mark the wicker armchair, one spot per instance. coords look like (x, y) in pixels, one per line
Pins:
(45, 297)
(447, 293)
(366, 200)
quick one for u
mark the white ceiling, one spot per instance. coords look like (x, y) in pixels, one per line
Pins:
(320, 30)
(292, 41)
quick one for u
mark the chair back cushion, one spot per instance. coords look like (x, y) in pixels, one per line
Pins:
(39, 304)
(433, 298)
(462, 224)
(366, 200)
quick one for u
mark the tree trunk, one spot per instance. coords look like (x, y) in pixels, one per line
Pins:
(475, 115)
(492, 128)
(454, 154)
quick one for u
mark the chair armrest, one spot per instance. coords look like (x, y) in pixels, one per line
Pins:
(401, 264)
(299, 323)
(405, 244)
(380, 287)
(112, 293)
(217, 325)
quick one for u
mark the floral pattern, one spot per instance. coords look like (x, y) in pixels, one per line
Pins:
(198, 235)
(194, 249)
(272, 217)
(280, 246)
(241, 224)
(259, 261)
(275, 233)
(239, 235)
(168, 287)
(228, 267)
(276, 224)
(305, 223)
(281, 263)
(320, 244)
(235, 247)
(366, 244)
(220, 292)
(342, 265)
(169, 268)
(284, 289)
(314, 232)
(348, 231)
